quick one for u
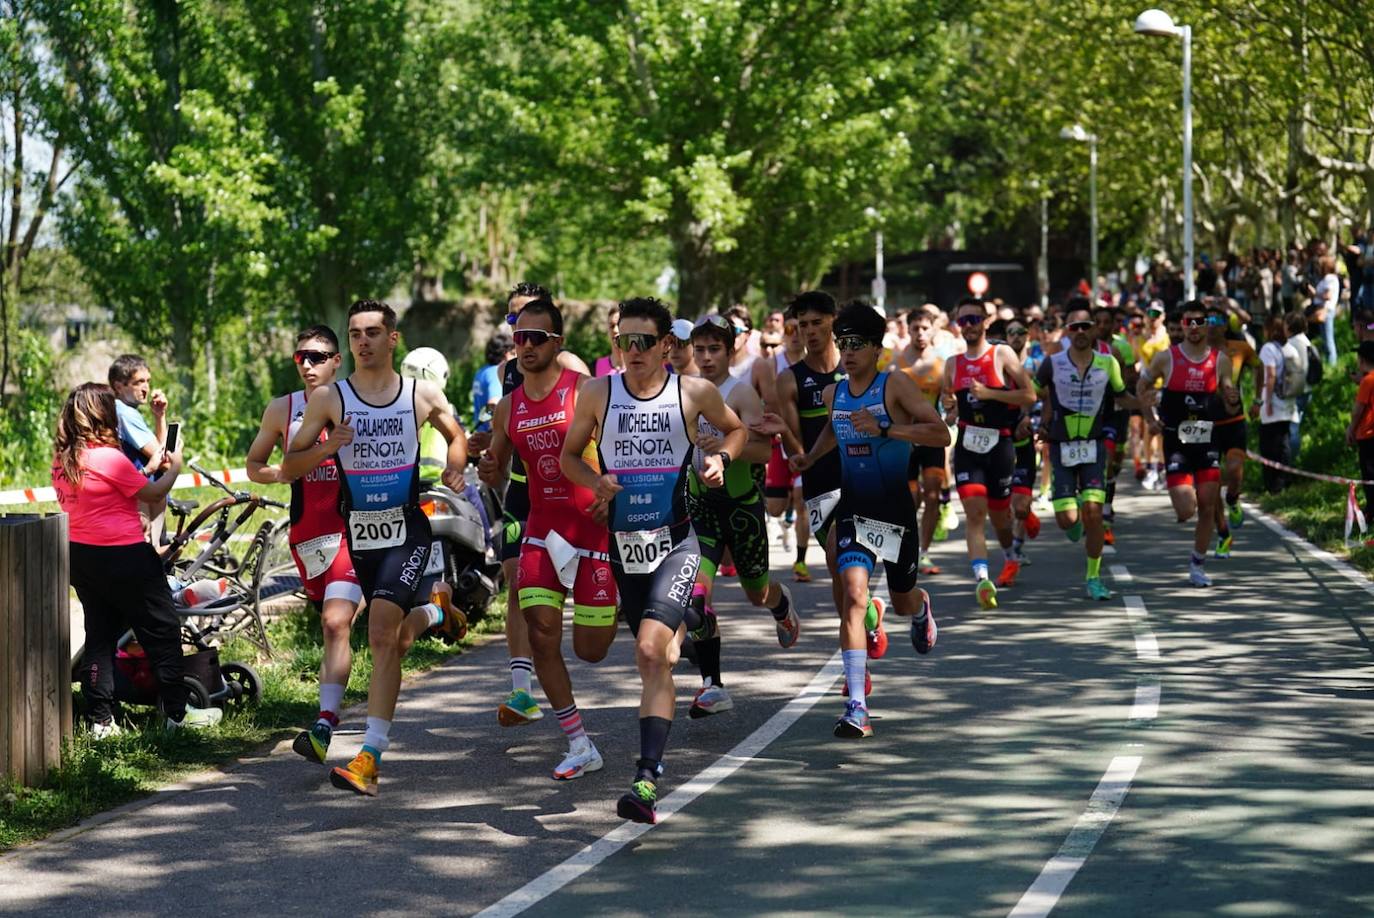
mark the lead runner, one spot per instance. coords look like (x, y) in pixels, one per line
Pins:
(645, 424)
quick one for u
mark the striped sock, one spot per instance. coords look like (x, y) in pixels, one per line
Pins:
(521, 673)
(571, 722)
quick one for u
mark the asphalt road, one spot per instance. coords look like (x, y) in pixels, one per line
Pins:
(1233, 727)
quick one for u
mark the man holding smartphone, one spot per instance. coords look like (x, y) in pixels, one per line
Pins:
(131, 380)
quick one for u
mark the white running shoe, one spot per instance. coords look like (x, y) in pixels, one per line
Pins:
(196, 719)
(1197, 576)
(786, 537)
(106, 730)
(582, 758)
(711, 699)
(1150, 480)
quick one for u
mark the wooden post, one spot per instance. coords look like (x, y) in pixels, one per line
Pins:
(35, 638)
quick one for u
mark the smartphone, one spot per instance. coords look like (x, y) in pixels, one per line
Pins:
(173, 436)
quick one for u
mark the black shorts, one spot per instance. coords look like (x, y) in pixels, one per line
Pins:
(985, 474)
(776, 492)
(664, 594)
(1116, 426)
(736, 523)
(925, 459)
(516, 512)
(1087, 480)
(1190, 463)
(397, 574)
(853, 551)
(1226, 437)
(1023, 476)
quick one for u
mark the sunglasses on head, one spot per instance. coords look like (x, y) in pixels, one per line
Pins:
(969, 319)
(1079, 326)
(717, 321)
(310, 358)
(1194, 322)
(635, 341)
(535, 337)
(852, 342)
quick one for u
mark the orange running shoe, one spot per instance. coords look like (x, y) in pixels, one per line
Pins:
(1009, 571)
(1108, 537)
(360, 776)
(1032, 525)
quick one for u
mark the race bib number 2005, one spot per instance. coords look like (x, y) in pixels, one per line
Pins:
(370, 530)
(642, 551)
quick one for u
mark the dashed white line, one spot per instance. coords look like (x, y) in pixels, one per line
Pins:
(1146, 705)
(561, 875)
(1121, 574)
(1042, 896)
(1146, 647)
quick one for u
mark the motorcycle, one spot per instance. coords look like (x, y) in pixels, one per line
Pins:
(466, 529)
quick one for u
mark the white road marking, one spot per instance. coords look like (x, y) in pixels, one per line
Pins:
(1042, 896)
(1321, 554)
(1146, 705)
(561, 875)
(1120, 573)
(1146, 647)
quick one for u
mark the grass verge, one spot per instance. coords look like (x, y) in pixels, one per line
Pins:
(98, 775)
(1316, 511)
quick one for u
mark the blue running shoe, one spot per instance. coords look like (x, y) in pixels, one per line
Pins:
(854, 724)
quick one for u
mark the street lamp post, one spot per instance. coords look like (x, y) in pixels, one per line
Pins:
(1042, 264)
(1158, 22)
(1077, 133)
(879, 283)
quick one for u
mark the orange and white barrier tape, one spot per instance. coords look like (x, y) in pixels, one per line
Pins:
(1354, 516)
(186, 480)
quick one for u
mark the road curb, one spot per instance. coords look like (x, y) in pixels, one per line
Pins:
(1339, 565)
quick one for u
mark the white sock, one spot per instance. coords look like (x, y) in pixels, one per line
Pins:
(854, 663)
(433, 613)
(521, 670)
(376, 735)
(331, 697)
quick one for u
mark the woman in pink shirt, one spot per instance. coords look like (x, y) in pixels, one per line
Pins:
(117, 575)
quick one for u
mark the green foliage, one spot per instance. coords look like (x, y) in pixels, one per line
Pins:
(28, 419)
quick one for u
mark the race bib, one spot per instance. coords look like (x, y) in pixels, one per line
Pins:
(1195, 431)
(435, 564)
(642, 551)
(374, 529)
(564, 557)
(980, 439)
(820, 507)
(883, 539)
(1077, 452)
(318, 554)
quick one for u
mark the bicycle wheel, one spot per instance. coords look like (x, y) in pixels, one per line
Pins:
(275, 572)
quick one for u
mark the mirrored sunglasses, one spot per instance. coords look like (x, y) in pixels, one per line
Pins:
(635, 341)
(311, 358)
(535, 337)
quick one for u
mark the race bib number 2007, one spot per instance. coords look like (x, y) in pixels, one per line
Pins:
(370, 530)
(642, 551)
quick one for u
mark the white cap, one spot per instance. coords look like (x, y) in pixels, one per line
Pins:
(682, 330)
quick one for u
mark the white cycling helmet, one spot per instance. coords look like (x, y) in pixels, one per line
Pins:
(425, 363)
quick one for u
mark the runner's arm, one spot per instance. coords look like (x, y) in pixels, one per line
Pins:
(494, 465)
(1145, 386)
(824, 443)
(570, 361)
(926, 427)
(591, 403)
(1024, 393)
(786, 408)
(269, 432)
(306, 451)
(1116, 379)
(749, 407)
(708, 403)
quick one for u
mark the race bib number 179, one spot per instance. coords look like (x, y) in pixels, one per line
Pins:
(980, 439)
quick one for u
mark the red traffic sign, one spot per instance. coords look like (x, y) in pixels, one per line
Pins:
(978, 283)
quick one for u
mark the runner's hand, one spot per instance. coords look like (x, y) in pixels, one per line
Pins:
(340, 436)
(600, 512)
(607, 487)
(865, 424)
(453, 478)
(979, 391)
(799, 464)
(479, 441)
(487, 470)
(708, 444)
(770, 424)
(157, 403)
(713, 471)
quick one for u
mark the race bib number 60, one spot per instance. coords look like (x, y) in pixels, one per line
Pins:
(883, 539)
(370, 530)
(819, 508)
(642, 551)
(980, 439)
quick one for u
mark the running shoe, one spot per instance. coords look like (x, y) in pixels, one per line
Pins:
(1224, 546)
(800, 573)
(949, 521)
(639, 804)
(107, 730)
(1043, 502)
(1108, 536)
(196, 719)
(454, 626)
(1007, 578)
(1032, 525)
(710, 626)
(789, 629)
(728, 570)
(873, 615)
(360, 775)
(313, 744)
(582, 757)
(1197, 576)
(518, 709)
(785, 536)
(868, 684)
(923, 628)
(1150, 480)
(854, 723)
(711, 699)
(986, 593)
(927, 567)
(1096, 589)
(1235, 515)
(877, 643)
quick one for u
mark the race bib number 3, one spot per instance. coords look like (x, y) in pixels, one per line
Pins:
(820, 507)
(370, 530)
(1195, 431)
(1077, 452)
(318, 554)
(980, 439)
(642, 551)
(883, 539)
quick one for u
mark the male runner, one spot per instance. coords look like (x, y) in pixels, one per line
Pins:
(730, 517)
(564, 549)
(1079, 386)
(376, 416)
(1118, 423)
(988, 386)
(316, 535)
(873, 429)
(1025, 524)
(1156, 338)
(1231, 431)
(1194, 395)
(519, 708)
(926, 470)
(782, 490)
(645, 425)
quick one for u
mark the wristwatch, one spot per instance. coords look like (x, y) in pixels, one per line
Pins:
(884, 426)
(724, 460)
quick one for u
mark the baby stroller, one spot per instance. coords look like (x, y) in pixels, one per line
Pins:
(209, 683)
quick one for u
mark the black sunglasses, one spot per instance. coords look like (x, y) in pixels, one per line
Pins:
(636, 341)
(852, 342)
(1079, 326)
(311, 358)
(1195, 322)
(535, 337)
(971, 319)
